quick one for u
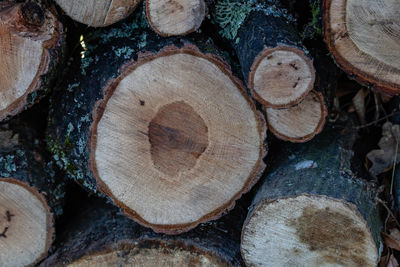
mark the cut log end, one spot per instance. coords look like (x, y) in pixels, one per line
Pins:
(150, 254)
(281, 76)
(26, 229)
(26, 34)
(171, 17)
(308, 230)
(299, 123)
(364, 38)
(96, 13)
(186, 145)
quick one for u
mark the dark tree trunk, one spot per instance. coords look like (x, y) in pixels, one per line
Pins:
(263, 34)
(315, 203)
(98, 230)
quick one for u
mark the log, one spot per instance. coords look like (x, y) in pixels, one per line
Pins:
(96, 13)
(312, 210)
(30, 197)
(363, 38)
(301, 122)
(171, 18)
(98, 235)
(275, 65)
(168, 134)
(31, 42)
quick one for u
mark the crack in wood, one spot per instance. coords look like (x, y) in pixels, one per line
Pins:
(9, 215)
(3, 234)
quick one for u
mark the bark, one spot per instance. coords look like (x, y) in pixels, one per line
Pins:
(99, 230)
(32, 53)
(344, 26)
(74, 129)
(267, 44)
(31, 196)
(313, 180)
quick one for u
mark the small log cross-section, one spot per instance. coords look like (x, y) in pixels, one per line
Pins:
(174, 140)
(26, 230)
(30, 50)
(175, 17)
(98, 13)
(275, 65)
(312, 210)
(301, 122)
(29, 196)
(364, 38)
(99, 236)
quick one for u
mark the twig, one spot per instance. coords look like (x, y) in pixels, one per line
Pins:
(388, 210)
(381, 119)
(394, 166)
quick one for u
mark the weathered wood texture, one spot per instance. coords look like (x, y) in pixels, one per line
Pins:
(275, 65)
(363, 38)
(312, 209)
(186, 141)
(172, 18)
(97, 13)
(30, 196)
(31, 49)
(98, 235)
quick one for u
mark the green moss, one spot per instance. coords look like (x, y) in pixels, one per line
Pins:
(60, 156)
(314, 27)
(230, 15)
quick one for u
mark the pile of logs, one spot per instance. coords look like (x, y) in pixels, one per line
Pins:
(167, 121)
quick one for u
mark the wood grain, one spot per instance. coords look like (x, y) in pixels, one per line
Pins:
(363, 37)
(98, 13)
(171, 17)
(213, 137)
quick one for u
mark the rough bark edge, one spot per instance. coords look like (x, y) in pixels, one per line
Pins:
(267, 201)
(37, 83)
(358, 75)
(310, 136)
(166, 34)
(152, 243)
(266, 51)
(49, 220)
(97, 114)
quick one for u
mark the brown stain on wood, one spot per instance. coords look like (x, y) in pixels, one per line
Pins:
(334, 235)
(175, 5)
(178, 136)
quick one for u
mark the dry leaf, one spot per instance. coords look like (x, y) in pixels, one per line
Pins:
(383, 261)
(395, 234)
(392, 262)
(8, 139)
(382, 159)
(386, 98)
(359, 104)
(391, 242)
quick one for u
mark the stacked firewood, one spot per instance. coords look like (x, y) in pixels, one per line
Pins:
(162, 108)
